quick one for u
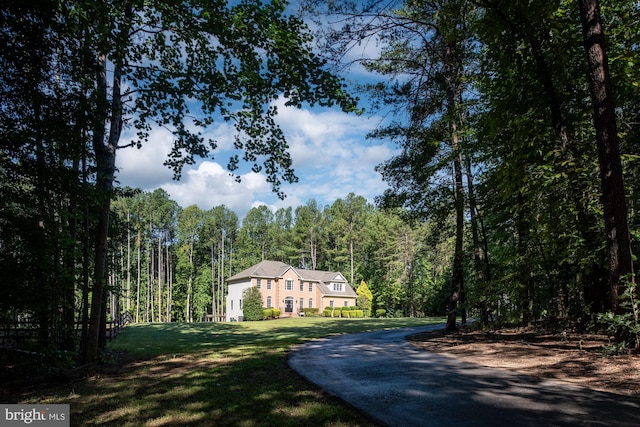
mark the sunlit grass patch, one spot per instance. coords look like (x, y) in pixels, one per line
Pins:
(223, 374)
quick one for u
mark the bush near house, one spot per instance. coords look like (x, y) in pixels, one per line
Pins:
(347, 312)
(311, 312)
(381, 312)
(352, 313)
(270, 313)
(357, 313)
(252, 307)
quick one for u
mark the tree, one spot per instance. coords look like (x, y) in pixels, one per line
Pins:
(189, 225)
(233, 60)
(252, 304)
(217, 239)
(307, 233)
(426, 55)
(365, 297)
(611, 175)
(255, 226)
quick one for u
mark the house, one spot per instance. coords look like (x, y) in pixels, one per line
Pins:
(289, 289)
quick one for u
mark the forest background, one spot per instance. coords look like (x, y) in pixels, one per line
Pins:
(499, 203)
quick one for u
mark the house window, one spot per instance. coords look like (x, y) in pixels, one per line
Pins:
(268, 284)
(268, 302)
(259, 283)
(346, 303)
(310, 302)
(240, 304)
(331, 303)
(301, 286)
(310, 287)
(337, 287)
(301, 303)
(288, 285)
(231, 304)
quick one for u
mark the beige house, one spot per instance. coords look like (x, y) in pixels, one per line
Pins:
(289, 289)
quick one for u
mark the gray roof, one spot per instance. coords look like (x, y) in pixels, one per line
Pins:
(276, 269)
(324, 278)
(268, 269)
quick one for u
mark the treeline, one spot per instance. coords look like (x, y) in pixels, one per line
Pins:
(170, 263)
(516, 185)
(520, 119)
(83, 80)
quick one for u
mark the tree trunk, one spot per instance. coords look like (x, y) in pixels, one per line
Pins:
(128, 302)
(457, 279)
(612, 182)
(479, 266)
(160, 277)
(105, 169)
(138, 277)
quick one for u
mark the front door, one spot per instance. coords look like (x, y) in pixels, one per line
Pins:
(288, 305)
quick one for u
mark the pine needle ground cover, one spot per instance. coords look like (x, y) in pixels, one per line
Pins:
(207, 374)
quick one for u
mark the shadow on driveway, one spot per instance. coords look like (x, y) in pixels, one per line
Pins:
(383, 375)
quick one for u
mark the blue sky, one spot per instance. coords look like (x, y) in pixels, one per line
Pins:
(330, 154)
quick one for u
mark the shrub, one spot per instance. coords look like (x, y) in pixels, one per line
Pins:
(357, 313)
(624, 327)
(276, 313)
(327, 312)
(252, 304)
(311, 312)
(267, 313)
(381, 312)
(365, 297)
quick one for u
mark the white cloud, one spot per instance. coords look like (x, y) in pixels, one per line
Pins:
(211, 185)
(143, 168)
(330, 155)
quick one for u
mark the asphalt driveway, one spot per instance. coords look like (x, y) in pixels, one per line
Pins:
(383, 375)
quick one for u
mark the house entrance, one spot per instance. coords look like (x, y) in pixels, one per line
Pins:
(288, 305)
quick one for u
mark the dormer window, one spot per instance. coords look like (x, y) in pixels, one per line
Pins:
(337, 287)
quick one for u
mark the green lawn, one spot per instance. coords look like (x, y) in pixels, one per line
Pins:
(212, 374)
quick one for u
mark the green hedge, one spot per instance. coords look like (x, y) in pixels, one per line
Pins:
(347, 312)
(381, 312)
(311, 312)
(270, 313)
(352, 313)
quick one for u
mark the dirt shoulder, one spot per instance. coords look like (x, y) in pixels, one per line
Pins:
(573, 358)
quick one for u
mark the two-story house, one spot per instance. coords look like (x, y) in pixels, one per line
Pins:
(289, 289)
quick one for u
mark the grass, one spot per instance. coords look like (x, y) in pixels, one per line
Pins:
(207, 374)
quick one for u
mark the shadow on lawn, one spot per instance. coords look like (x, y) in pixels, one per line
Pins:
(180, 338)
(256, 390)
(223, 374)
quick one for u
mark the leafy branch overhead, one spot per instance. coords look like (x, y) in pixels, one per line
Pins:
(191, 64)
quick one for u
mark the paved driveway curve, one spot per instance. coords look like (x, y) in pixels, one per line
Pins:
(383, 375)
